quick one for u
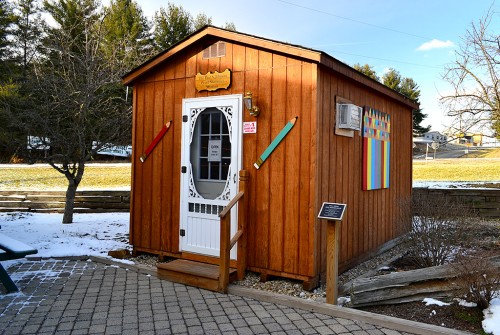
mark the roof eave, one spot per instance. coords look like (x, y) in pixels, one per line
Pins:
(211, 31)
(347, 71)
(311, 55)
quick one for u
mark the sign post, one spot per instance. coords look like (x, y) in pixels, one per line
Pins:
(332, 212)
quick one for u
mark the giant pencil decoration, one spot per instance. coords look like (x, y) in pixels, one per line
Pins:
(157, 139)
(286, 129)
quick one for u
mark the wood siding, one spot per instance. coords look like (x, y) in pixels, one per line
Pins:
(310, 166)
(372, 217)
(281, 217)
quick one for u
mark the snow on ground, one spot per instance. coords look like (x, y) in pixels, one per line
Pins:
(431, 301)
(96, 234)
(454, 184)
(88, 235)
(491, 322)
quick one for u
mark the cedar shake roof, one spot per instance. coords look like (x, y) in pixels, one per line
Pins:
(211, 34)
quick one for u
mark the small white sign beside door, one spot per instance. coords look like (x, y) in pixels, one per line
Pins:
(250, 127)
(214, 150)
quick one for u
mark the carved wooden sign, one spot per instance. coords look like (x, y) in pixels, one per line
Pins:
(213, 81)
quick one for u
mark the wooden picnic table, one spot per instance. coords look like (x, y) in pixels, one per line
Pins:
(12, 249)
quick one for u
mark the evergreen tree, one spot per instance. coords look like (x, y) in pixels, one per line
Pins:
(75, 21)
(7, 20)
(367, 70)
(392, 79)
(126, 33)
(230, 26)
(409, 88)
(171, 25)
(8, 87)
(201, 20)
(28, 32)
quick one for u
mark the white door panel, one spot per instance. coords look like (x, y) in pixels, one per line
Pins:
(211, 159)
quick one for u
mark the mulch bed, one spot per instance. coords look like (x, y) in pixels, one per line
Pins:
(486, 239)
(452, 316)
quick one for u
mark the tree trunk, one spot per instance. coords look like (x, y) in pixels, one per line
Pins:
(70, 202)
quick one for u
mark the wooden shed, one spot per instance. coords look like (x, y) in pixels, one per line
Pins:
(362, 158)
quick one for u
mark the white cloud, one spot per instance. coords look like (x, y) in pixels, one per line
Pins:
(435, 44)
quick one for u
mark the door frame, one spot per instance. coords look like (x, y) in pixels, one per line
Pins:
(236, 101)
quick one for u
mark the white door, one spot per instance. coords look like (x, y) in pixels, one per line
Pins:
(211, 160)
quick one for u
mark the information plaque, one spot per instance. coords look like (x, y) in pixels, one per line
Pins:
(332, 211)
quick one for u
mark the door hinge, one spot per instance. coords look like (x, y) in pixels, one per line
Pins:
(184, 118)
(183, 232)
(183, 169)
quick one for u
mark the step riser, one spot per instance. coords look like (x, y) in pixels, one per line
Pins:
(190, 280)
(195, 274)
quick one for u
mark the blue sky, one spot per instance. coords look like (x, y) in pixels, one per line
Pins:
(417, 38)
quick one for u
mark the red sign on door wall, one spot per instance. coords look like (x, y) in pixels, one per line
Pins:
(250, 127)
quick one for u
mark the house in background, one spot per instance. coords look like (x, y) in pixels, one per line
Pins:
(341, 137)
(469, 139)
(436, 136)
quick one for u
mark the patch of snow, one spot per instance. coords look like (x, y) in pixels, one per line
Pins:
(88, 235)
(491, 322)
(465, 303)
(453, 184)
(433, 313)
(342, 301)
(431, 301)
(44, 274)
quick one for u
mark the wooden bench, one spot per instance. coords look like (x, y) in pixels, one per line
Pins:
(12, 249)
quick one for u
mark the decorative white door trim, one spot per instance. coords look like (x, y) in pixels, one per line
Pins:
(211, 156)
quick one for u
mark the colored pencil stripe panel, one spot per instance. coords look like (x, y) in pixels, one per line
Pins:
(376, 149)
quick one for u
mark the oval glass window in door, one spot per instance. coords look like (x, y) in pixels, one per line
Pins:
(210, 153)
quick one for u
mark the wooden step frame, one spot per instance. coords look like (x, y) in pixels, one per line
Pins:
(193, 273)
(216, 277)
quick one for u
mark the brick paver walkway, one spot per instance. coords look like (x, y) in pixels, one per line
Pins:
(85, 297)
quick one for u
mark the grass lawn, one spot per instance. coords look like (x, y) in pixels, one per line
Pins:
(460, 169)
(41, 177)
(117, 176)
(491, 154)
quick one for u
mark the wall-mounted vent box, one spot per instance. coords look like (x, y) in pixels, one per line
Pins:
(349, 116)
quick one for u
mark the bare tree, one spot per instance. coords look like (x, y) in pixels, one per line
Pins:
(474, 101)
(75, 105)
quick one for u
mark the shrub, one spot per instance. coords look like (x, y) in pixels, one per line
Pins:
(478, 278)
(438, 229)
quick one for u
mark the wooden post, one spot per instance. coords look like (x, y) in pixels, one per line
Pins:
(332, 261)
(225, 232)
(333, 212)
(242, 225)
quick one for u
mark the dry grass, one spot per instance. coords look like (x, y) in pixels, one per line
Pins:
(495, 153)
(464, 169)
(42, 177)
(46, 178)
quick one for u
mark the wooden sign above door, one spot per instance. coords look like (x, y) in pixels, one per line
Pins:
(213, 81)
